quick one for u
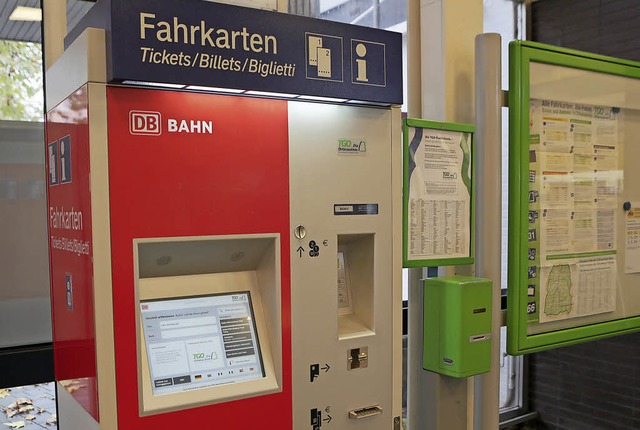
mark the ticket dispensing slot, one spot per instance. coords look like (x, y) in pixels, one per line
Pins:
(355, 286)
(209, 313)
(358, 414)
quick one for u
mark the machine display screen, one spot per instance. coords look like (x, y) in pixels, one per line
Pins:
(200, 342)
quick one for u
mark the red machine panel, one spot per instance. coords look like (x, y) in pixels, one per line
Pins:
(69, 222)
(186, 164)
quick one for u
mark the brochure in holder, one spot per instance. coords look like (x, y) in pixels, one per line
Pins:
(438, 205)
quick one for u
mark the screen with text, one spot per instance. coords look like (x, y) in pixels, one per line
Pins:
(200, 342)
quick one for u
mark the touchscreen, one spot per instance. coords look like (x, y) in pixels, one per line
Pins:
(200, 342)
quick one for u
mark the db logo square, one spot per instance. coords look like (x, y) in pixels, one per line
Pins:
(145, 123)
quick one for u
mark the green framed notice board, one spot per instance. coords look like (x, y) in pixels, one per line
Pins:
(574, 197)
(438, 188)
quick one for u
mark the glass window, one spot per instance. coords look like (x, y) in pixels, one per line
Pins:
(25, 316)
(21, 97)
(510, 377)
(24, 296)
(506, 17)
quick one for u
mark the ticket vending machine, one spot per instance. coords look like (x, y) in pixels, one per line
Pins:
(220, 255)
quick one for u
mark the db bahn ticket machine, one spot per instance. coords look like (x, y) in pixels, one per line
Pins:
(225, 244)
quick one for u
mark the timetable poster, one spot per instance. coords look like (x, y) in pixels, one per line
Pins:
(575, 179)
(439, 194)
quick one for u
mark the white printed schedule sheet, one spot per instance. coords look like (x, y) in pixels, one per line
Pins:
(575, 179)
(439, 195)
(632, 238)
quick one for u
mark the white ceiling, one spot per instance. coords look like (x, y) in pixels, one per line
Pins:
(29, 31)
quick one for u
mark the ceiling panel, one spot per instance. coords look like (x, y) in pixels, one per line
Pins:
(29, 31)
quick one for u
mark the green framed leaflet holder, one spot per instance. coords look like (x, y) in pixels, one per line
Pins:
(574, 220)
(438, 208)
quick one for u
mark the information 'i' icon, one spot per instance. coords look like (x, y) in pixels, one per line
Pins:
(361, 63)
(63, 170)
(65, 160)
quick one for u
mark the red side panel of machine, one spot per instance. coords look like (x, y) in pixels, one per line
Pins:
(187, 164)
(69, 223)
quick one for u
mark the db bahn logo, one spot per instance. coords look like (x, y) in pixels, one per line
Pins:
(145, 123)
(148, 123)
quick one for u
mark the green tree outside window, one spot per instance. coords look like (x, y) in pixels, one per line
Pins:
(21, 96)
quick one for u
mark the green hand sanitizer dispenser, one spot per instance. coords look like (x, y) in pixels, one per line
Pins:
(457, 325)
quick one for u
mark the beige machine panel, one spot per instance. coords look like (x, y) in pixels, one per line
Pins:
(342, 278)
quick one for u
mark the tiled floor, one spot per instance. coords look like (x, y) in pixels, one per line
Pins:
(37, 403)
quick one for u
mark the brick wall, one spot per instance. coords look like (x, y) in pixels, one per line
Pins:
(591, 386)
(609, 27)
(596, 385)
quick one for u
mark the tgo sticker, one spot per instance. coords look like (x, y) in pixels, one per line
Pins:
(352, 147)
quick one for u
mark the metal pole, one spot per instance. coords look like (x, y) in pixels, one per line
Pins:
(376, 13)
(416, 384)
(419, 382)
(488, 143)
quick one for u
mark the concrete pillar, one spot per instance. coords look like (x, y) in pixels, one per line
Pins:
(447, 31)
(54, 15)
